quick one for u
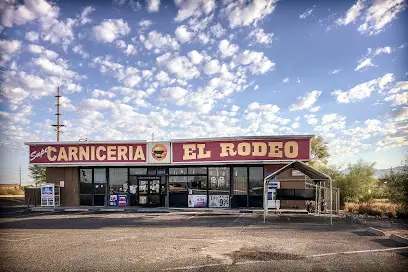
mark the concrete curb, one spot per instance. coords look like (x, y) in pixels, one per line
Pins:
(376, 231)
(76, 210)
(399, 239)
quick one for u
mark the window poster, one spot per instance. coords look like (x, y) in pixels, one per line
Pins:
(113, 200)
(122, 200)
(197, 201)
(219, 201)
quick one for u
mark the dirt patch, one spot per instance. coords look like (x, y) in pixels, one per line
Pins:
(255, 254)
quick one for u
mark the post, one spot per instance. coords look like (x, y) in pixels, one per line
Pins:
(331, 202)
(58, 125)
(19, 168)
(316, 204)
(265, 199)
(58, 115)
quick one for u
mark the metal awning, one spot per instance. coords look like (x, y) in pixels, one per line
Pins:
(309, 171)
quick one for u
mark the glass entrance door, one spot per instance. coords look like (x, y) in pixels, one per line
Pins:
(149, 192)
(133, 191)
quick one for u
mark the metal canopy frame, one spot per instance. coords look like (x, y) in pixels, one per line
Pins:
(314, 174)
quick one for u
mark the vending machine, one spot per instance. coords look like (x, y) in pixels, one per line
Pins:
(50, 195)
(273, 203)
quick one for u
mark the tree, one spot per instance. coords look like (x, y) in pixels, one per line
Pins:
(38, 174)
(319, 152)
(359, 184)
(396, 184)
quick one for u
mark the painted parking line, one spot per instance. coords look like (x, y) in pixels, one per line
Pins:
(356, 251)
(20, 239)
(236, 219)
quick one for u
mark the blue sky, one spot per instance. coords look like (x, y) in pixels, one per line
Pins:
(187, 69)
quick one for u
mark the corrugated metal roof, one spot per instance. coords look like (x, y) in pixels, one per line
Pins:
(309, 171)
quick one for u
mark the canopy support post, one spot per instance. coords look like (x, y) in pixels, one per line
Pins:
(331, 202)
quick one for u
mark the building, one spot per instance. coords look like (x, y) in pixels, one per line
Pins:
(216, 172)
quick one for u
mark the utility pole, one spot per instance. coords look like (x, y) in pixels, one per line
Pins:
(20, 174)
(58, 114)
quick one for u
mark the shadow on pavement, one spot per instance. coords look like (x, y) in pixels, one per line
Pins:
(386, 242)
(97, 222)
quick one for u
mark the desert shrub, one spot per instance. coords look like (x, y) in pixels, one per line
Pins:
(377, 209)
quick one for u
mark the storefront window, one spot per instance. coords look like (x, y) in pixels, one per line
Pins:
(240, 180)
(151, 171)
(219, 188)
(85, 184)
(178, 184)
(178, 171)
(118, 180)
(99, 180)
(197, 185)
(161, 171)
(256, 181)
(138, 171)
(197, 170)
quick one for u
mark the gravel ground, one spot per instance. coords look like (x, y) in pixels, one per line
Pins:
(191, 242)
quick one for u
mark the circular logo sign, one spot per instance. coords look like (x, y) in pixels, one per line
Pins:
(159, 152)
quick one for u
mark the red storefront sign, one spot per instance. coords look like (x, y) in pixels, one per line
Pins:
(274, 149)
(83, 153)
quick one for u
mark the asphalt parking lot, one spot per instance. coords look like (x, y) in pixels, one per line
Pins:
(191, 242)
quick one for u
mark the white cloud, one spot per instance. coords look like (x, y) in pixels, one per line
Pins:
(36, 49)
(78, 49)
(285, 80)
(9, 47)
(193, 8)
(363, 90)
(257, 62)
(315, 109)
(178, 65)
(352, 13)
(195, 57)
(84, 15)
(400, 114)
(363, 63)
(177, 94)
(56, 31)
(153, 5)
(242, 13)
(127, 49)
(99, 93)
(234, 108)
(367, 61)
(182, 34)
(306, 101)
(398, 99)
(156, 40)
(21, 14)
(259, 36)
(217, 31)
(110, 29)
(66, 104)
(32, 36)
(145, 23)
(212, 67)
(53, 68)
(399, 86)
(380, 14)
(72, 88)
(227, 49)
(307, 13)
(335, 71)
